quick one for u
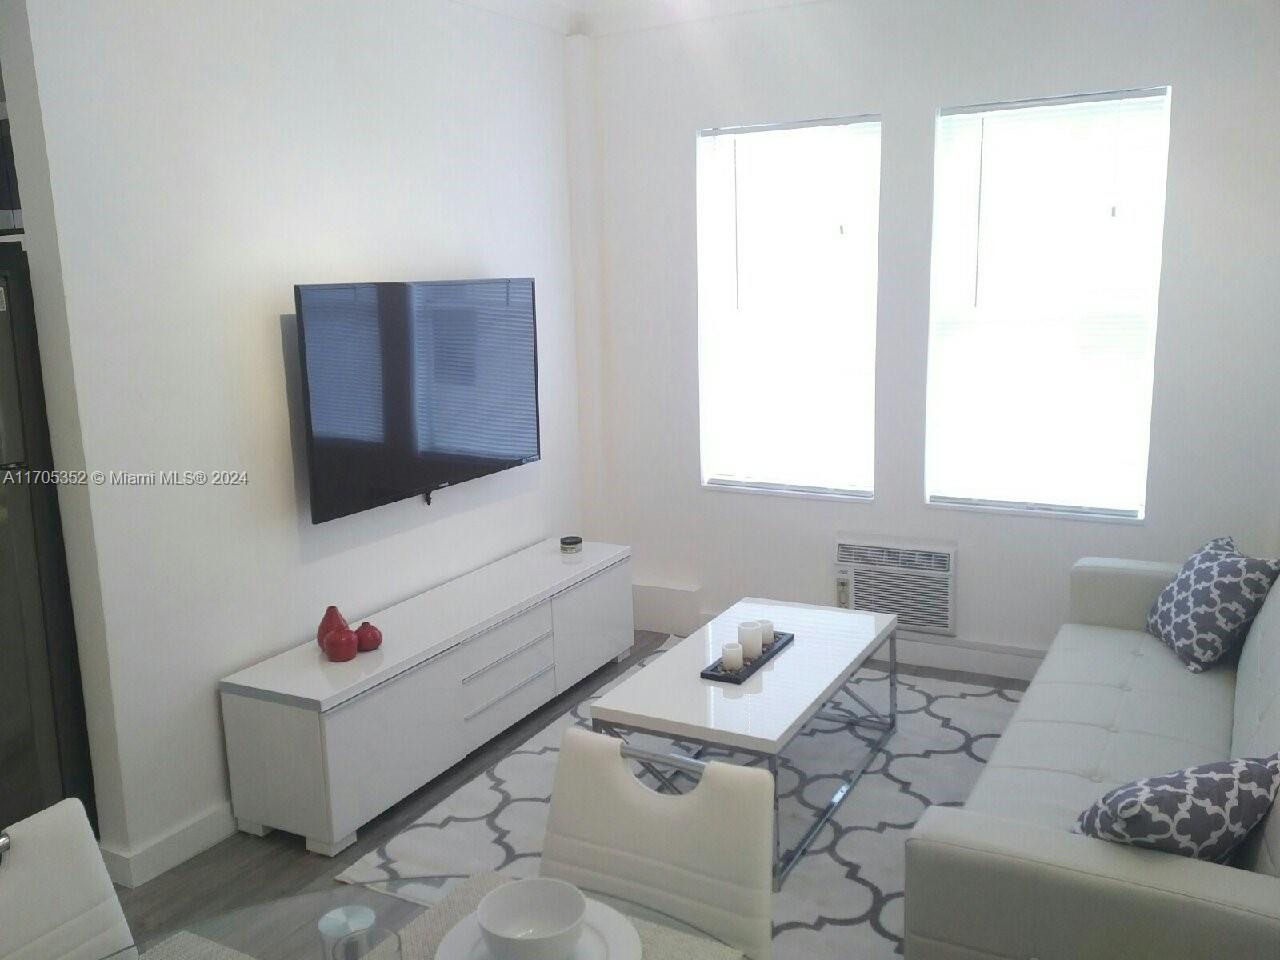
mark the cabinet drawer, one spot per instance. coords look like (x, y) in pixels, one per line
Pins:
(496, 678)
(484, 721)
(505, 638)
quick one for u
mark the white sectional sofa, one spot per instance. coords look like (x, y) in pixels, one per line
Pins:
(1004, 877)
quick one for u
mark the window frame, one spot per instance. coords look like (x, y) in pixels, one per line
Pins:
(786, 490)
(1136, 516)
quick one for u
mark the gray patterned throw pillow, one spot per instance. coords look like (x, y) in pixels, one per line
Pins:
(1204, 614)
(1201, 812)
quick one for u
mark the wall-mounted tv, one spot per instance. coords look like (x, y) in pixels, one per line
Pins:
(410, 387)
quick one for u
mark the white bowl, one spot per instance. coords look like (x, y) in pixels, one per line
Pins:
(535, 919)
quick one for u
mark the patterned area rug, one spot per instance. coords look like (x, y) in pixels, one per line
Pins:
(844, 898)
(188, 946)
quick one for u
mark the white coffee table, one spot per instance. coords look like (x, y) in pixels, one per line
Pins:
(761, 716)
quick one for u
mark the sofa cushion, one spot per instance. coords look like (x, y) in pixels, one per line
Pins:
(1257, 722)
(1202, 812)
(1256, 731)
(1107, 706)
(1203, 615)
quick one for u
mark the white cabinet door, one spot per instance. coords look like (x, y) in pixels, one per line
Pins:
(593, 624)
(388, 742)
(275, 759)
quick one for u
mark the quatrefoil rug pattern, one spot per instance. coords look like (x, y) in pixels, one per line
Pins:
(844, 898)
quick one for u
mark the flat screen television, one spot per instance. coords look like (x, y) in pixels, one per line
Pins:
(411, 387)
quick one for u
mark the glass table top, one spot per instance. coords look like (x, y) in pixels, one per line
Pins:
(290, 928)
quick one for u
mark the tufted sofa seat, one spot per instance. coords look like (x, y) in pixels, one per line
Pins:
(1004, 877)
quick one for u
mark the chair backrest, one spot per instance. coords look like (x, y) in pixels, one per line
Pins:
(56, 900)
(704, 857)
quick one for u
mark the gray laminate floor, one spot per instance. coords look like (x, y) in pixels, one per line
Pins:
(243, 870)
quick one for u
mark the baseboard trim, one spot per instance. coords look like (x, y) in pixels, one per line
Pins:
(969, 656)
(132, 868)
(960, 676)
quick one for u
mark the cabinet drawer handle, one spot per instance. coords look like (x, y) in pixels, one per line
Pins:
(504, 658)
(527, 611)
(502, 696)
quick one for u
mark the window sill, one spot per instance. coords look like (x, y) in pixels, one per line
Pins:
(1044, 511)
(782, 490)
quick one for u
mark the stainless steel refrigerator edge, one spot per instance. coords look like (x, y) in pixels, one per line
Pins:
(44, 752)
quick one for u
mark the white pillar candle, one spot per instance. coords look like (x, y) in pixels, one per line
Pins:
(751, 639)
(731, 656)
(766, 632)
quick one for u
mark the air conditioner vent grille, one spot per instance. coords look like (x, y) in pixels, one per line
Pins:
(904, 558)
(920, 602)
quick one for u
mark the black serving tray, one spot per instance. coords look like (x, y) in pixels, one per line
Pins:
(717, 673)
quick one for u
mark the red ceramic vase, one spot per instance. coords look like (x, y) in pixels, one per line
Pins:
(368, 637)
(333, 620)
(340, 645)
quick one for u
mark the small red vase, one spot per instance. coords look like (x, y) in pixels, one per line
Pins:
(333, 620)
(369, 637)
(341, 645)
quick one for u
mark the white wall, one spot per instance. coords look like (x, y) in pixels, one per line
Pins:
(1214, 448)
(201, 159)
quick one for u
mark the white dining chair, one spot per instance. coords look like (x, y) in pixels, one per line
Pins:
(704, 857)
(56, 900)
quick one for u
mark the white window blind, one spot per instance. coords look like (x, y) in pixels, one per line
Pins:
(1047, 228)
(788, 220)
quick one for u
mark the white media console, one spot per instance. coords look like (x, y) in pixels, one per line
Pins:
(318, 748)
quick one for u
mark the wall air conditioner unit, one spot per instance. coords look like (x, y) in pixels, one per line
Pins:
(915, 581)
